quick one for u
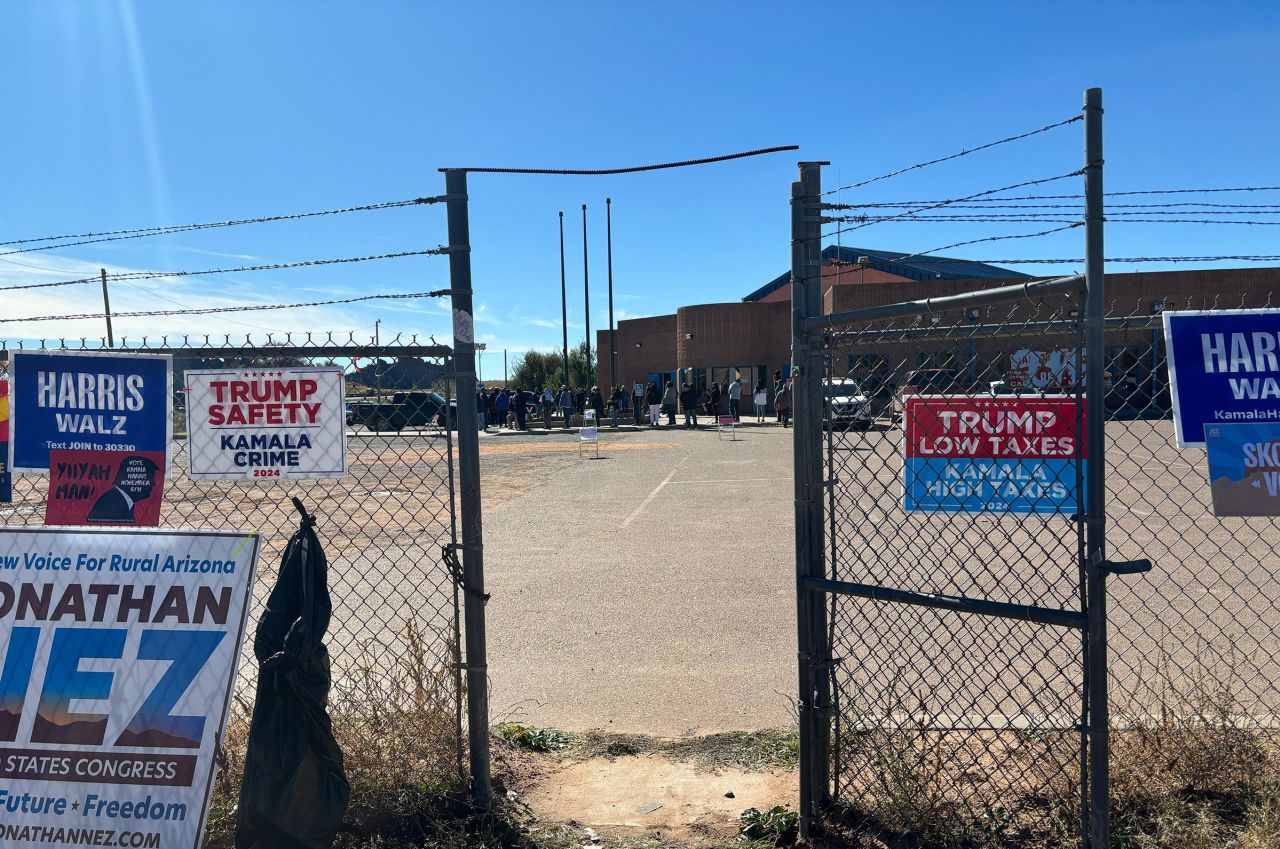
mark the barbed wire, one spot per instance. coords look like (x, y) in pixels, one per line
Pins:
(1031, 218)
(1124, 259)
(1165, 208)
(149, 275)
(965, 152)
(940, 204)
(220, 310)
(143, 232)
(1106, 194)
(1070, 226)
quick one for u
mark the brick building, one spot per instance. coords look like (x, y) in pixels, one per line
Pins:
(752, 338)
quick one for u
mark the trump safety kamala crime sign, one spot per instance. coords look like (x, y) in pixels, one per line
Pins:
(120, 651)
(6, 479)
(103, 401)
(1002, 454)
(1224, 367)
(279, 422)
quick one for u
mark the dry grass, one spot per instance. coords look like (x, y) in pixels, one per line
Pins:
(396, 726)
(1195, 773)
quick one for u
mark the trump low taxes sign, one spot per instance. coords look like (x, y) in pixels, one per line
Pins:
(120, 651)
(1003, 454)
(281, 422)
(1224, 368)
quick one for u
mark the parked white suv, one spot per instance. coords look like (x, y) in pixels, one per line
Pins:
(846, 403)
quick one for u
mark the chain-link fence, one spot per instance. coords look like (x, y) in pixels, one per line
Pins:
(971, 727)
(949, 724)
(388, 529)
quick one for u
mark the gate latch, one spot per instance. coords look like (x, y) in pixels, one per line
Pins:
(449, 554)
(1126, 567)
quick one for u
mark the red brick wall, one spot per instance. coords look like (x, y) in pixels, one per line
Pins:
(656, 336)
(841, 274)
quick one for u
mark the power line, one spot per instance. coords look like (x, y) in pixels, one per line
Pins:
(986, 146)
(1164, 208)
(148, 275)
(631, 170)
(142, 232)
(220, 310)
(940, 204)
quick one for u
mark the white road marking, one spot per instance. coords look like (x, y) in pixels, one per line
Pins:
(643, 504)
(731, 480)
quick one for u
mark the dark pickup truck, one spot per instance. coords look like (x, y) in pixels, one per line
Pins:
(407, 410)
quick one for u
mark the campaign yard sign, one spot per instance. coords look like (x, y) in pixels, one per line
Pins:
(105, 488)
(1244, 468)
(1002, 454)
(90, 401)
(282, 422)
(120, 651)
(1224, 367)
(6, 477)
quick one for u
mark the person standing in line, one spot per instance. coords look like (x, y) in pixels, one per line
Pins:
(637, 399)
(669, 403)
(548, 405)
(597, 404)
(713, 400)
(735, 399)
(689, 403)
(566, 405)
(777, 387)
(480, 405)
(654, 398)
(580, 401)
(761, 399)
(617, 400)
(504, 408)
(491, 408)
(520, 405)
(782, 401)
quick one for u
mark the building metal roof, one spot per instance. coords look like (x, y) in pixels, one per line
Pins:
(920, 267)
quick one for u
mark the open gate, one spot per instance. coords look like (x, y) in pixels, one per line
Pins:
(949, 535)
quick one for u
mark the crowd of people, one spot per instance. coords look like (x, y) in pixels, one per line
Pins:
(517, 408)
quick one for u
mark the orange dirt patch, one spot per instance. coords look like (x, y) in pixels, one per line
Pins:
(619, 796)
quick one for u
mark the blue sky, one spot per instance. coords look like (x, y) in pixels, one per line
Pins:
(133, 113)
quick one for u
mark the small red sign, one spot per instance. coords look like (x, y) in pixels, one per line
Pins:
(109, 488)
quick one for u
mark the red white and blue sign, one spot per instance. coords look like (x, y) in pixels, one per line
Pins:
(92, 401)
(1001, 454)
(1224, 368)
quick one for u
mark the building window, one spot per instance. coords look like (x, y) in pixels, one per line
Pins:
(869, 370)
(936, 359)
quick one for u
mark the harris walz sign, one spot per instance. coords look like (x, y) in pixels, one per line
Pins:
(90, 401)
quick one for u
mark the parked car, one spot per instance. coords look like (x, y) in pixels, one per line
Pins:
(846, 404)
(925, 381)
(408, 409)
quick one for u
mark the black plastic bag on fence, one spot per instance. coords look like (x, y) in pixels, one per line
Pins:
(295, 789)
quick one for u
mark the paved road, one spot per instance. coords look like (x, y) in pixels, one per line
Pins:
(650, 591)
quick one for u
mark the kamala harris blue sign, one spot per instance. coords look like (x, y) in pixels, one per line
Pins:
(87, 401)
(1224, 368)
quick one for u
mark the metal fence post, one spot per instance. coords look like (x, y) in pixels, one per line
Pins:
(464, 359)
(807, 403)
(1095, 482)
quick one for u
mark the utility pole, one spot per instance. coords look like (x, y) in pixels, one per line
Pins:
(564, 306)
(106, 308)
(472, 547)
(586, 293)
(377, 360)
(613, 340)
(504, 368)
